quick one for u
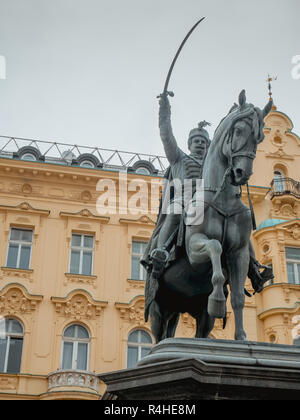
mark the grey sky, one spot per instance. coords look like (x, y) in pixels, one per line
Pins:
(89, 71)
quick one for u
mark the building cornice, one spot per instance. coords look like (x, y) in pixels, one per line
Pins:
(25, 207)
(85, 213)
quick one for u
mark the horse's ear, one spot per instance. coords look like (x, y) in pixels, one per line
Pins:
(242, 98)
(267, 108)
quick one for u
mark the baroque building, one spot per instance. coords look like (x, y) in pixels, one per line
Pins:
(71, 286)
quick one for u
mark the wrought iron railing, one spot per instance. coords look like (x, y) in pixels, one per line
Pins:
(285, 186)
(66, 154)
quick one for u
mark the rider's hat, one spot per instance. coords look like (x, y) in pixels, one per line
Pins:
(200, 131)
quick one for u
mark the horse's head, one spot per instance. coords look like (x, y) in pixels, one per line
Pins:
(243, 131)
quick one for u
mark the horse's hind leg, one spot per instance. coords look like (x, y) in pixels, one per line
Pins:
(172, 325)
(205, 323)
(159, 322)
(202, 250)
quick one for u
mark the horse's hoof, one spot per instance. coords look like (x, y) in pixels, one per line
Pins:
(216, 308)
(240, 337)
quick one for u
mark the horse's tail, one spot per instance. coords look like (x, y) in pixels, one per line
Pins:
(226, 293)
(150, 293)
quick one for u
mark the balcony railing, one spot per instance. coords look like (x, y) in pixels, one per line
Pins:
(285, 186)
(71, 378)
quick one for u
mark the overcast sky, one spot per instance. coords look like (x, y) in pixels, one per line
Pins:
(88, 71)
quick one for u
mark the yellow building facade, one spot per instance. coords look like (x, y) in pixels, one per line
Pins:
(71, 288)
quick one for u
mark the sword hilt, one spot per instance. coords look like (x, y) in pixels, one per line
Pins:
(168, 93)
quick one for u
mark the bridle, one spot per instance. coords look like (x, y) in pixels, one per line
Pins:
(245, 154)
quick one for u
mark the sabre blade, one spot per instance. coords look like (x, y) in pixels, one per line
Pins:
(177, 55)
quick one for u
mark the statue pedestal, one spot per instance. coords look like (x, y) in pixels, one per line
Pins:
(197, 369)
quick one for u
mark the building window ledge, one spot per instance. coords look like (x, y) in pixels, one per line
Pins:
(81, 278)
(20, 273)
(136, 284)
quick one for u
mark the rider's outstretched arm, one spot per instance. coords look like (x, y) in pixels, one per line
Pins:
(170, 145)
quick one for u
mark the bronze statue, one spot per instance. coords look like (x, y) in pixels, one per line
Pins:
(207, 257)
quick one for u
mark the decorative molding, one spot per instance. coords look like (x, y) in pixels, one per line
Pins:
(279, 154)
(136, 284)
(143, 220)
(86, 196)
(17, 273)
(294, 230)
(78, 305)
(85, 213)
(82, 279)
(71, 378)
(25, 207)
(8, 383)
(287, 312)
(285, 207)
(133, 311)
(84, 221)
(15, 299)
(27, 189)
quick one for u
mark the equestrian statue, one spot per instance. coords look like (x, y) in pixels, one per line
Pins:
(189, 266)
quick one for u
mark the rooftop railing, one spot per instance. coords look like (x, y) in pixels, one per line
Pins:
(68, 154)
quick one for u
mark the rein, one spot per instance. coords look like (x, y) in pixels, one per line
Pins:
(250, 155)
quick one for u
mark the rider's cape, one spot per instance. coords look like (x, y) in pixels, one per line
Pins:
(152, 284)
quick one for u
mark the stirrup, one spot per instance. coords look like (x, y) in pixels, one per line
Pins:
(258, 279)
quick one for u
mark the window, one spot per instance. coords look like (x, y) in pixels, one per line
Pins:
(82, 252)
(28, 156)
(137, 270)
(293, 265)
(75, 349)
(87, 164)
(279, 183)
(11, 345)
(139, 345)
(142, 171)
(19, 249)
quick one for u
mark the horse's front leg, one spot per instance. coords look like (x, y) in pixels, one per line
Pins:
(238, 266)
(201, 250)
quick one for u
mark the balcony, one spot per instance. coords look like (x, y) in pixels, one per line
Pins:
(285, 186)
(70, 379)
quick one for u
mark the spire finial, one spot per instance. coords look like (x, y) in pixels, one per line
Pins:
(270, 80)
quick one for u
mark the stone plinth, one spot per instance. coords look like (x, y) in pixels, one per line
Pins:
(195, 369)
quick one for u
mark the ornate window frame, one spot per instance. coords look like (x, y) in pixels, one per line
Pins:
(83, 222)
(78, 307)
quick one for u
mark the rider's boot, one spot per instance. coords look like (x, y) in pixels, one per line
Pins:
(159, 257)
(258, 278)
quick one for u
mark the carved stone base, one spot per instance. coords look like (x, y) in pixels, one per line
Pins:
(197, 369)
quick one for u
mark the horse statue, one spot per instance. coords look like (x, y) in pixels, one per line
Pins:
(216, 252)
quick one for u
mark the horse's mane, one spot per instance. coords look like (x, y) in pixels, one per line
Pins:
(248, 112)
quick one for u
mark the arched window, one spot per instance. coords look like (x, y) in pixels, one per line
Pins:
(139, 345)
(87, 164)
(279, 182)
(75, 349)
(11, 345)
(143, 171)
(28, 156)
